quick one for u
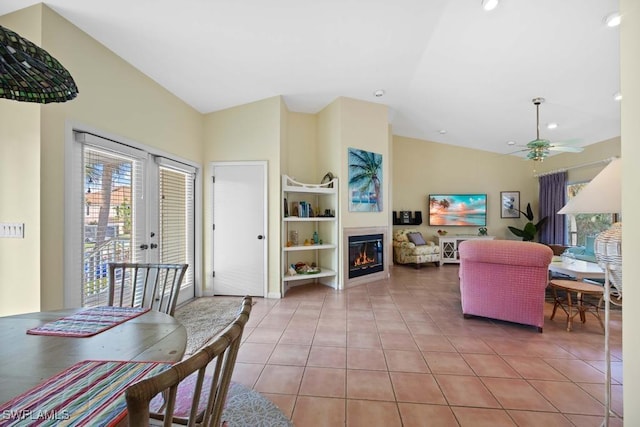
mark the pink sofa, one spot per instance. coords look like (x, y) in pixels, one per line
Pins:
(504, 280)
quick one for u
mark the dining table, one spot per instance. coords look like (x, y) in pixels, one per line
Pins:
(28, 360)
(576, 268)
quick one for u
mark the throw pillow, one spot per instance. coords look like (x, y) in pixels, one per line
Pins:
(416, 239)
(590, 243)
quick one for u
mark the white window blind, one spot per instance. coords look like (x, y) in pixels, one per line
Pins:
(177, 216)
(113, 184)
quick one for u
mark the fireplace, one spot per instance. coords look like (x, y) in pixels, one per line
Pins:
(366, 255)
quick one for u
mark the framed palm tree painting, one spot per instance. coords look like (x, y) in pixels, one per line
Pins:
(365, 181)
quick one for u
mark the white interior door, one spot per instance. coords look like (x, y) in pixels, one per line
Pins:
(239, 228)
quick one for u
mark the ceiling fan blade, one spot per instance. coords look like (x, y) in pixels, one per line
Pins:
(572, 141)
(524, 150)
(564, 148)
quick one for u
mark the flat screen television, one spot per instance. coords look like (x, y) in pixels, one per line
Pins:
(467, 210)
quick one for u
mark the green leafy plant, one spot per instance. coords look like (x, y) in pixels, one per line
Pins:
(528, 233)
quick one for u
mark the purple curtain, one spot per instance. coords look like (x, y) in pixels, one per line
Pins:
(552, 199)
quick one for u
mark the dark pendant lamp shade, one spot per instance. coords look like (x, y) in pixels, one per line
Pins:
(28, 73)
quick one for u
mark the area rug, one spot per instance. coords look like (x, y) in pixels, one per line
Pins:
(243, 407)
(205, 317)
(248, 408)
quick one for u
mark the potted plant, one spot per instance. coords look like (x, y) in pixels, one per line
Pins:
(528, 233)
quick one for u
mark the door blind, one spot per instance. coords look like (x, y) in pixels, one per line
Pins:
(176, 245)
(113, 182)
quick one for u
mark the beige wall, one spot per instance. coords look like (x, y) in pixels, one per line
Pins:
(328, 141)
(630, 70)
(20, 189)
(349, 123)
(583, 166)
(301, 162)
(243, 133)
(421, 168)
(114, 98)
(364, 126)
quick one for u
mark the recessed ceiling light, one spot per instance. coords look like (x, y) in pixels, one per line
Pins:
(552, 125)
(617, 96)
(613, 19)
(511, 143)
(489, 4)
(442, 131)
(378, 93)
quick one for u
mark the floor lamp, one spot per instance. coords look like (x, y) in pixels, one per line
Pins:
(604, 195)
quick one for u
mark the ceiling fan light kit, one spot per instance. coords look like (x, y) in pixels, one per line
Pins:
(540, 148)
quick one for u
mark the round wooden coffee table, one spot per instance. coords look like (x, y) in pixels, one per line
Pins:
(581, 307)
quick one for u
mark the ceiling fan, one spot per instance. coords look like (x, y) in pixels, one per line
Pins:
(538, 149)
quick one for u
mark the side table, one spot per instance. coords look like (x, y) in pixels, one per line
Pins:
(581, 307)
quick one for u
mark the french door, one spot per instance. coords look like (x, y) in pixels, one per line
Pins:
(126, 205)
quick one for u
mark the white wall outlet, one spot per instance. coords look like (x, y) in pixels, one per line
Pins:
(12, 230)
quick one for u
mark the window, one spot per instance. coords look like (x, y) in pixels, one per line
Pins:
(177, 217)
(111, 181)
(125, 204)
(582, 225)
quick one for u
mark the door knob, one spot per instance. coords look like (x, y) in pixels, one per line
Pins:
(260, 237)
(144, 246)
(154, 245)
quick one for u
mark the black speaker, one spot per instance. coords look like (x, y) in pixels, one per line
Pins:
(417, 217)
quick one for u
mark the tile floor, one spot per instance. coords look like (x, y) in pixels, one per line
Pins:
(398, 352)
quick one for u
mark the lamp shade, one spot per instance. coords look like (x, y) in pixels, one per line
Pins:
(28, 73)
(602, 195)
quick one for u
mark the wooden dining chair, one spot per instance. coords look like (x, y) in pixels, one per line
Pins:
(155, 286)
(192, 392)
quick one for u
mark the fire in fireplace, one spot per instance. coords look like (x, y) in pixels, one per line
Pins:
(366, 255)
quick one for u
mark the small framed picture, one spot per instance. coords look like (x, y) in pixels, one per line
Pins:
(510, 204)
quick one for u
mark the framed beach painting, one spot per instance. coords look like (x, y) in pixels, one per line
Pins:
(365, 181)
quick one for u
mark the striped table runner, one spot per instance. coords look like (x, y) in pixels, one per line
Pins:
(89, 393)
(88, 322)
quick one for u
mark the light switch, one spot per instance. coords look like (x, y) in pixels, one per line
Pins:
(12, 230)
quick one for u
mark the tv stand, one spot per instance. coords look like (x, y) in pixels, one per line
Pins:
(449, 246)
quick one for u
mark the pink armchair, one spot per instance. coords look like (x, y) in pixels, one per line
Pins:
(504, 280)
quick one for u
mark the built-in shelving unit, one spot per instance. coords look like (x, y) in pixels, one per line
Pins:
(320, 203)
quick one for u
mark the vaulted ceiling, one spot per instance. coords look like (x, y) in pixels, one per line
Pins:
(451, 72)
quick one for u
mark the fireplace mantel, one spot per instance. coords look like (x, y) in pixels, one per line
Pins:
(360, 231)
